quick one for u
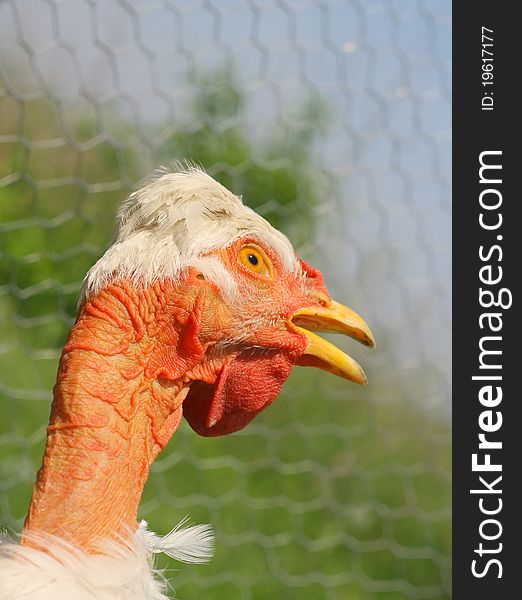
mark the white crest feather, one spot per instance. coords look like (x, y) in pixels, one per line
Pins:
(124, 571)
(169, 223)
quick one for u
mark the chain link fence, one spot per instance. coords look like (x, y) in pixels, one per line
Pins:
(332, 119)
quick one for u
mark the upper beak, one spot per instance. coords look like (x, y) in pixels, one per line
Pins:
(324, 355)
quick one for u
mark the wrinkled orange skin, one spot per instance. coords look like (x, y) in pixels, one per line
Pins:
(123, 375)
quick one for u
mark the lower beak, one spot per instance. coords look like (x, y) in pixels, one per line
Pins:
(324, 355)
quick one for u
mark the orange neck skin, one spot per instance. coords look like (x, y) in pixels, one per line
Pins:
(117, 401)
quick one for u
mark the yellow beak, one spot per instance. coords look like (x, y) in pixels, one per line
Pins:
(324, 355)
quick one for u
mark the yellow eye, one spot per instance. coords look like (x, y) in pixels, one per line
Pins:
(254, 259)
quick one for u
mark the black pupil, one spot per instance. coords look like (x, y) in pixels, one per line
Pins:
(253, 260)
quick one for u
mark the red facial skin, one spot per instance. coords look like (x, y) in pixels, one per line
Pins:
(136, 360)
(254, 370)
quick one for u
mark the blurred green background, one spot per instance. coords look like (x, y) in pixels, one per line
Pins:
(336, 492)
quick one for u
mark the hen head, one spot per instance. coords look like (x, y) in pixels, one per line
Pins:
(256, 306)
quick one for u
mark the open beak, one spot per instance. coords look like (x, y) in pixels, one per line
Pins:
(324, 355)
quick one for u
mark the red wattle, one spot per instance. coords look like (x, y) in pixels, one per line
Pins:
(247, 384)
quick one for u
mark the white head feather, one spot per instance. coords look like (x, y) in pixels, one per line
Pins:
(171, 222)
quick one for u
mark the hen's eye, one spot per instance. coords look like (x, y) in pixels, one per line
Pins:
(255, 259)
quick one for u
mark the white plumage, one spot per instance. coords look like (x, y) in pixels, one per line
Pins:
(171, 222)
(125, 570)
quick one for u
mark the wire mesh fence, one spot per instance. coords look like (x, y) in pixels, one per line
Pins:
(331, 119)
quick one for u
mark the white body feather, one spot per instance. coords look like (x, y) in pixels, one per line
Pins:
(124, 572)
